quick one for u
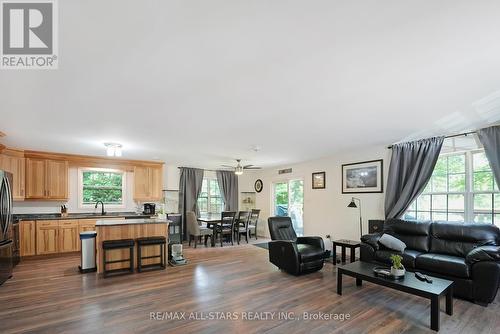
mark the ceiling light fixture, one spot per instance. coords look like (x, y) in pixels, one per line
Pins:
(113, 149)
(238, 170)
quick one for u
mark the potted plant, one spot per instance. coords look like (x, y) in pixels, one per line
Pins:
(397, 268)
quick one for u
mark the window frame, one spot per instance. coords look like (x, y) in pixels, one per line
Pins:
(469, 192)
(82, 205)
(209, 196)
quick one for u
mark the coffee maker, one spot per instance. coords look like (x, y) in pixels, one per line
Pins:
(149, 209)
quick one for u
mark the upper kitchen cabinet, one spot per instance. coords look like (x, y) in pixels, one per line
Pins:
(12, 161)
(148, 183)
(46, 179)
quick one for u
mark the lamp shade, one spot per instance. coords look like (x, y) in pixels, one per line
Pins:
(352, 204)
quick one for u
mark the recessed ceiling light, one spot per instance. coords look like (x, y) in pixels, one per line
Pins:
(113, 149)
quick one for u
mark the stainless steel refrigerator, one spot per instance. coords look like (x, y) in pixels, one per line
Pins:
(5, 226)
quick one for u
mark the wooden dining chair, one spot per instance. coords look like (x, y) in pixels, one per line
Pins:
(241, 225)
(252, 222)
(226, 227)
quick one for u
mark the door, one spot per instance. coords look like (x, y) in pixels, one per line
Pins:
(68, 236)
(47, 237)
(27, 238)
(288, 200)
(35, 178)
(141, 183)
(57, 179)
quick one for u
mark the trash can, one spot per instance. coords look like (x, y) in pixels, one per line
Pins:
(88, 252)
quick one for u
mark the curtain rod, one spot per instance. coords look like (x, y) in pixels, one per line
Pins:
(208, 170)
(450, 136)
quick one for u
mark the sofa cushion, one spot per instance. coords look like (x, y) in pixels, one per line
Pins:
(414, 234)
(409, 257)
(309, 252)
(392, 242)
(443, 264)
(458, 239)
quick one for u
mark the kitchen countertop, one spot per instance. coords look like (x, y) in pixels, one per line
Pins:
(76, 215)
(131, 222)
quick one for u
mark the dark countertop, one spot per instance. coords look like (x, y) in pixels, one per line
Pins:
(57, 216)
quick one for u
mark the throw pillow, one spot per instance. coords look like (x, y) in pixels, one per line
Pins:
(392, 243)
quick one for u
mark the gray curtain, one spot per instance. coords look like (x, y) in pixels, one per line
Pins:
(411, 167)
(228, 184)
(189, 189)
(490, 138)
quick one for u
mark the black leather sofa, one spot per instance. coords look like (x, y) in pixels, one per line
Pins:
(468, 254)
(295, 255)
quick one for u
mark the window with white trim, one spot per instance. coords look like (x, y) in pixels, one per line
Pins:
(101, 184)
(210, 199)
(462, 188)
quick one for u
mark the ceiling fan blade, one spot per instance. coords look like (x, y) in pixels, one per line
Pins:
(227, 166)
(252, 167)
(246, 166)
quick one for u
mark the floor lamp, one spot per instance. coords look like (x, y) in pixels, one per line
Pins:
(354, 205)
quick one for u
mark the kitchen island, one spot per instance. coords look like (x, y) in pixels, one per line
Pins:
(128, 229)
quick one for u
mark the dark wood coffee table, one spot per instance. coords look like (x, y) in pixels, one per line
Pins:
(363, 271)
(344, 243)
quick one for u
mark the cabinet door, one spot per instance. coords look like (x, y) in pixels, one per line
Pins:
(35, 178)
(27, 237)
(156, 183)
(85, 225)
(47, 237)
(14, 165)
(141, 183)
(69, 240)
(57, 179)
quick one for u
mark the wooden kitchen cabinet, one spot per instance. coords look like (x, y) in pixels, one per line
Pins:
(46, 179)
(47, 237)
(27, 238)
(13, 161)
(85, 225)
(148, 183)
(68, 237)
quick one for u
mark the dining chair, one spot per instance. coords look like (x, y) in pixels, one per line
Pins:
(196, 231)
(226, 226)
(252, 222)
(241, 225)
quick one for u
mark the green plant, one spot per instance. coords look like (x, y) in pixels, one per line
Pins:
(396, 261)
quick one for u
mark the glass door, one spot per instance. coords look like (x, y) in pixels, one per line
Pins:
(288, 201)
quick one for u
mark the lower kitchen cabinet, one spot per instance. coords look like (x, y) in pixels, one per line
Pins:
(47, 237)
(27, 238)
(69, 237)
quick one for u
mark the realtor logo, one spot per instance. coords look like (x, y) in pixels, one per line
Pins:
(29, 34)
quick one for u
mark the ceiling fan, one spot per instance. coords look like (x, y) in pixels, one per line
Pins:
(238, 169)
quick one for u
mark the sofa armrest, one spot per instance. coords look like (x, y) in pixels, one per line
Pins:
(372, 240)
(314, 241)
(483, 253)
(285, 255)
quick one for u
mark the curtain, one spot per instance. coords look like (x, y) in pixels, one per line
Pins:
(411, 167)
(490, 138)
(228, 185)
(190, 185)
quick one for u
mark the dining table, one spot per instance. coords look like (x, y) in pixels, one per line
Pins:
(212, 220)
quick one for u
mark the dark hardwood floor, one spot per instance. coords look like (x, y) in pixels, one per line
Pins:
(48, 295)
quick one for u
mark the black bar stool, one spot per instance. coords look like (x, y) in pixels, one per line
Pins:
(118, 244)
(151, 241)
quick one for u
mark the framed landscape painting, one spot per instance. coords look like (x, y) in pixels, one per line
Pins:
(363, 177)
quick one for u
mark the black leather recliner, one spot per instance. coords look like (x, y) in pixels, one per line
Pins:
(468, 254)
(295, 255)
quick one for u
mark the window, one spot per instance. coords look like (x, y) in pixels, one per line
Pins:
(461, 188)
(210, 199)
(100, 184)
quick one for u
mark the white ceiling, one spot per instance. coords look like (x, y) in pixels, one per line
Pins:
(197, 83)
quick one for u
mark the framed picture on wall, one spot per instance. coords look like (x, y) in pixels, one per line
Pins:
(319, 180)
(363, 177)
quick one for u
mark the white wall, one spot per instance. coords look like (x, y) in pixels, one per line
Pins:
(325, 210)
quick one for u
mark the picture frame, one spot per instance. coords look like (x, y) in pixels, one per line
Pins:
(319, 180)
(363, 177)
(258, 186)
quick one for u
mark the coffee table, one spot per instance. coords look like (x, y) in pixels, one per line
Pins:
(363, 271)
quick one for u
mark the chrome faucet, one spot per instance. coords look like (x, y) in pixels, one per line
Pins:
(102, 207)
